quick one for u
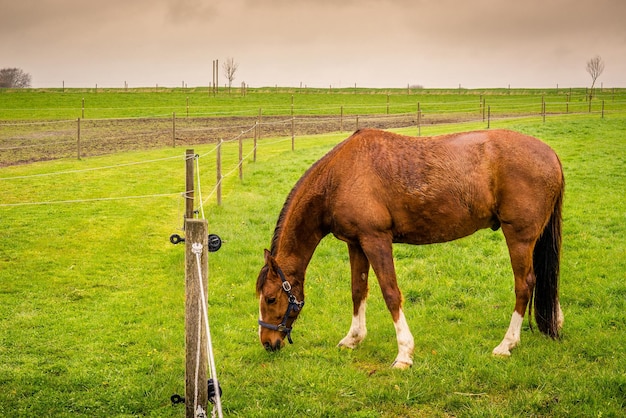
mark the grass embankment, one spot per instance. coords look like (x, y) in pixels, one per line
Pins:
(91, 296)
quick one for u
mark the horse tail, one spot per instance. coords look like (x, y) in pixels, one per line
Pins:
(546, 262)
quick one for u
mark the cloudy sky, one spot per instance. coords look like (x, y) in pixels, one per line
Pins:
(373, 43)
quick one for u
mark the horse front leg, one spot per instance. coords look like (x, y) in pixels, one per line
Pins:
(380, 255)
(359, 266)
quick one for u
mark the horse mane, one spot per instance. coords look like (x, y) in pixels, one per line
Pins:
(296, 188)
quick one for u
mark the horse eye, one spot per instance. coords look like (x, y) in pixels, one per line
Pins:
(269, 301)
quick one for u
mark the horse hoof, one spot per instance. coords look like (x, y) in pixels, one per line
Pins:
(350, 343)
(501, 352)
(401, 365)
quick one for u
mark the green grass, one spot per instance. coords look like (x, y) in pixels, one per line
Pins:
(91, 295)
(55, 104)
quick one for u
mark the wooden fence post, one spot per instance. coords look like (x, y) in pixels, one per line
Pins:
(195, 334)
(78, 139)
(603, 109)
(488, 117)
(341, 120)
(293, 133)
(256, 133)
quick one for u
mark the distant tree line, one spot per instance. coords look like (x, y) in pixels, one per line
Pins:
(14, 78)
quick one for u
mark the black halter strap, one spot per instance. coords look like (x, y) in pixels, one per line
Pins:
(294, 306)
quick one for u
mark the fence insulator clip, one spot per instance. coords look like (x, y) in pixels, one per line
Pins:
(212, 391)
(175, 239)
(215, 242)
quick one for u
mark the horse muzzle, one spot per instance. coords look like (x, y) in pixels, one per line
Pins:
(275, 346)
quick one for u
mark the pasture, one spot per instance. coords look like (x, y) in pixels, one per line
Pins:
(55, 104)
(91, 294)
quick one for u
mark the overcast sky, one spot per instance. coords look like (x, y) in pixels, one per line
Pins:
(373, 43)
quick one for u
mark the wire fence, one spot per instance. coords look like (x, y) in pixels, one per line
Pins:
(24, 142)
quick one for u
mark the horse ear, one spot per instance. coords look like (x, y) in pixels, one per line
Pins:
(263, 274)
(270, 261)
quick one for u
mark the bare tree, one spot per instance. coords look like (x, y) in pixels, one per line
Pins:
(595, 67)
(14, 78)
(230, 68)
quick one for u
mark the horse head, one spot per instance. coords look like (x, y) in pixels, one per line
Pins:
(279, 304)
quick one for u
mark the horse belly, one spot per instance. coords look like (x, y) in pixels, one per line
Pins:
(441, 221)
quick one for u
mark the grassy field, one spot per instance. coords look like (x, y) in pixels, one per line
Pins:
(48, 124)
(91, 295)
(51, 104)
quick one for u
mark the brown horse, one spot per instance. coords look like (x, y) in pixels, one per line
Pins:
(377, 188)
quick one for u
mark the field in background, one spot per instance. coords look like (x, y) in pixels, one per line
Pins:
(55, 104)
(37, 125)
(91, 293)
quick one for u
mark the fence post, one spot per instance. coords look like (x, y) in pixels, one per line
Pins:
(357, 122)
(488, 117)
(196, 231)
(603, 109)
(78, 138)
(341, 120)
(256, 133)
(293, 134)
(219, 172)
(83, 109)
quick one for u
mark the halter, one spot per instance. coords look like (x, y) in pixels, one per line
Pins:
(294, 306)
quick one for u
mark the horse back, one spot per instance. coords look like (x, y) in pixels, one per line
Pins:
(426, 190)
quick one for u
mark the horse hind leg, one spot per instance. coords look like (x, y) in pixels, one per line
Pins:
(359, 266)
(521, 261)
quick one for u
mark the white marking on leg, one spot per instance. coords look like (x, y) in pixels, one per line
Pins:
(358, 330)
(405, 343)
(512, 336)
(560, 318)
